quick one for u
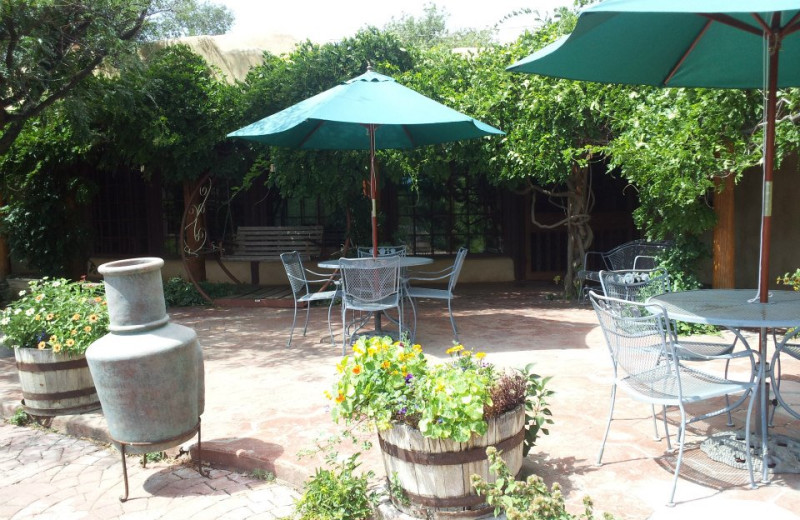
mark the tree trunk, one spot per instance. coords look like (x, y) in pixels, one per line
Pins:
(193, 241)
(579, 233)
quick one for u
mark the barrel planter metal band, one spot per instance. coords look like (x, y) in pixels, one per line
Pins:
(54, 383)
(435, 474)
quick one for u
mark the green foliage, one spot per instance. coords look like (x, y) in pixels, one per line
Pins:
(430, 30)
(56, 314)
(20, 418)
(178, 18)
(537, 412)
(525, 500)
(387, 382)
(182, 293)
(337, 492)
(262, 474)
(50, 47)
(155, 456)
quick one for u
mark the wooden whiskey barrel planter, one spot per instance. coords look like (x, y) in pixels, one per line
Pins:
(435, 473)
(55, 383)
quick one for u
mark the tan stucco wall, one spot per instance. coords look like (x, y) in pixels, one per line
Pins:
(475, 270)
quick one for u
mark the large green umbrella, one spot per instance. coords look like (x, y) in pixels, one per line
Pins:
(369, 112)
(686, 43)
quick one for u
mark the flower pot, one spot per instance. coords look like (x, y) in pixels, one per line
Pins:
(55, 383)
(148, 372)
(434, 474)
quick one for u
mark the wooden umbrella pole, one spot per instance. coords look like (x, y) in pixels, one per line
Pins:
(769, 165)
(373, 190)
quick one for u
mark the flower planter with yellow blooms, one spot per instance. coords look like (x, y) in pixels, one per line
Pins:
(434, 421)
(49, 327)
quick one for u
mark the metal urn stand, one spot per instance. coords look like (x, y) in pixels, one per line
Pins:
(148, 372)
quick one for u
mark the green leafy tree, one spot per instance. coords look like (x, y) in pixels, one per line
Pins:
(430, 30)
(50, 47)
(177, 18)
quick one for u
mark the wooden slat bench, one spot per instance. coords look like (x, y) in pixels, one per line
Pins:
(256, 244)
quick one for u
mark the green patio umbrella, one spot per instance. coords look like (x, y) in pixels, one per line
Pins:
(686, 43)
(368, 112)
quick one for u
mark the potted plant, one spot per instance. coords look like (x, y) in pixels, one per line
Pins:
(49, 327)
(435, 421)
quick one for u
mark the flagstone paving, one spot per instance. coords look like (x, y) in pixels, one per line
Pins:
(265, 403)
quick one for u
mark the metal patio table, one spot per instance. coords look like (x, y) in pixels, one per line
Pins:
(403, 261)
(737, 309)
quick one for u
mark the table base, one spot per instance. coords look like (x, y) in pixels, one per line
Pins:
(728, 448)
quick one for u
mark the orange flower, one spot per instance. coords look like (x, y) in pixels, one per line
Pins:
(386, 365)
(98, 299)
(93, 318)
(87, 328)
(50, 316)
(57, 347)
(340, 398)
(357, 369)
(76, 317)
(70, 342)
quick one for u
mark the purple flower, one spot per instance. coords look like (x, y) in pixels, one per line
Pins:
(409, 377)
(402, 411)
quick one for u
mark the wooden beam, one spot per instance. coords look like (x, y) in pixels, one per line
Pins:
(724, 234)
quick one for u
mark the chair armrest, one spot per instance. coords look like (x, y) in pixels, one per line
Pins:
(593, 254)
(429, 275)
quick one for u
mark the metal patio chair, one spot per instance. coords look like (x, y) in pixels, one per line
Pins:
(647, 366)
(449, 273)
(637, 285)
(366, 252)
(636, 254)
(301, 292)
(784, 347)
(371, 285)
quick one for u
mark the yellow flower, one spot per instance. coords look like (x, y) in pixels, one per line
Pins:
(87, 328)
(480, 355)
(57, 347)
(93, 318)
(417, 348)
(340, 366)
(70, 342)
(328, 395)
(37, 317)
(53, 338)
(50, 316)
(73, 332)
(386, 365)
(340, 398)
(466, 353)
(454, 349)
(42, 345)
(76, 317)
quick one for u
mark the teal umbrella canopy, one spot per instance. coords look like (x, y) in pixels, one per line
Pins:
(686, 43)
(368, 112)
(675, 43)
(337, 119)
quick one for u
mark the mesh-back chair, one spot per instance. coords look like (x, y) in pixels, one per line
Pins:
(636, 254)
(646, 364)
(301, 292)
(637, 285)
(449, 273)
(370, 285)
(784, 347)
(366, 252)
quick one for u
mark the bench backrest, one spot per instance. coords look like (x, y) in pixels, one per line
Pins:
(268, 242)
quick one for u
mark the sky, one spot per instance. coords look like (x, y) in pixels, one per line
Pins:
(331, 20)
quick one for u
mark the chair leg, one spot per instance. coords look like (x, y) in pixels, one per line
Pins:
(748, 451)
(414, 314)
(330, 326)
(452, 320)
(681, 439)
(608, 425)
(727, 399)
(308, 314)
(666, 427)
(344, 330)
(656, 436)
(294, 320)
(776, 388)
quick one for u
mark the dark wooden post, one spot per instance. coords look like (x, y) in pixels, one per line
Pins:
(724, 234)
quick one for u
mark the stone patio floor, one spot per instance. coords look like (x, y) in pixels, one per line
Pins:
(265, 404)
